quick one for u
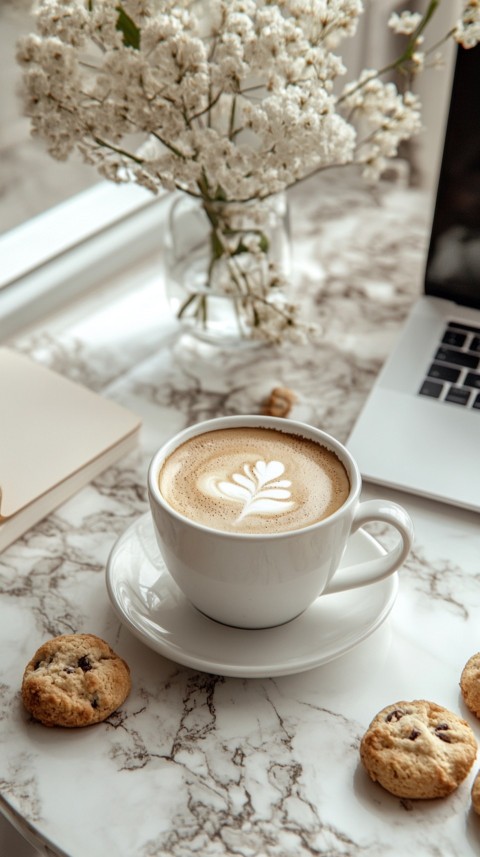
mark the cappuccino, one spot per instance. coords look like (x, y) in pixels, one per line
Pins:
(253, 480)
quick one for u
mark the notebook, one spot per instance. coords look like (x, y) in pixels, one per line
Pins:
(55, 436)
(420, 427)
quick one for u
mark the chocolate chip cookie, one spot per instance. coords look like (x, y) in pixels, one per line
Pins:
(470, 684)
(74, 680)
(418, 749)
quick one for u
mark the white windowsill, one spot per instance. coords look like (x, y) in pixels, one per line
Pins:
(72, 248)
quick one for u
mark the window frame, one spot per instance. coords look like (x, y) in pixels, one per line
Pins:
(74, 247)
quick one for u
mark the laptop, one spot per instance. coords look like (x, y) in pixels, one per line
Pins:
(419, 430)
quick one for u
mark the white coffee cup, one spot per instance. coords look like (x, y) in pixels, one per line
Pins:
(262, 580)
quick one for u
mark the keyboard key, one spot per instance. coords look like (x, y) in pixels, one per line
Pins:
(444, 373)
(453, 337)
(458, 325)
(475, 344)
(458, 395)
(431, 388)
(476, 403)
(459, 358)
(472, 380)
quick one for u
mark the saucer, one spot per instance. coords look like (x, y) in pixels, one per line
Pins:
(152, 606)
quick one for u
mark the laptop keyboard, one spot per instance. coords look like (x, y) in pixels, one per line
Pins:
(454, 375)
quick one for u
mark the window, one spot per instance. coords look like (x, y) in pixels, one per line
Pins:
(61, 229)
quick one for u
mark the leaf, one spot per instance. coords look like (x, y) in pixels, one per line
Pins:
(131, 33)
(220, 194)
(264, 243)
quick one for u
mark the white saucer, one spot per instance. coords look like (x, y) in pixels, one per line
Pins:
(149, 602)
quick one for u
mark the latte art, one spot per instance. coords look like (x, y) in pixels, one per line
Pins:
(253, 480)
(257, 490)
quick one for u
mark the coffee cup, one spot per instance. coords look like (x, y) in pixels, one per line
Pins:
(252, 515)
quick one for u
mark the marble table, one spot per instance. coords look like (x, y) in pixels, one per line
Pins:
(200, 763)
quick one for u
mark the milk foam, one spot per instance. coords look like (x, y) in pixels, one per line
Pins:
(253, 480)
(256, 490)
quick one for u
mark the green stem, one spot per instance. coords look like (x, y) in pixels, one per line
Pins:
(204, 310)
(169, 146)
(141, 163)
(442, 41)
(231, 126)
(212, 103)
(119, 151)
(193, 297)
(200, 310)
(405, 57)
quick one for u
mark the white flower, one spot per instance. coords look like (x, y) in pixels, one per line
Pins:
(467, 31)
(225, 99)
(385, 117)
(405, 23)
(243, 92)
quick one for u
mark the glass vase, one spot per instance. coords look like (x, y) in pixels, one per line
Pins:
(227, 268)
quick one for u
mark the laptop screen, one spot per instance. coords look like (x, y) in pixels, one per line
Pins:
(453, 262)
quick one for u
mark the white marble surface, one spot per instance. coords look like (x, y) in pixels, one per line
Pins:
(195, 763)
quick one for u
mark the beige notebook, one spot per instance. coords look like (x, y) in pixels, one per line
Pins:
(55, 436)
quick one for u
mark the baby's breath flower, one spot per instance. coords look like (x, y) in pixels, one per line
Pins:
(238, 90)
(418, 61)
(405, 23)
(467, 31)
(231, 100)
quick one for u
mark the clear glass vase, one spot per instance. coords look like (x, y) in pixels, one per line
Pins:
(227, 268)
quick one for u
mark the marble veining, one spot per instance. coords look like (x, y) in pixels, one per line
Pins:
(195, 763)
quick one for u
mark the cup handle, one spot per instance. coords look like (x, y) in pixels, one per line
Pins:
(377, 569)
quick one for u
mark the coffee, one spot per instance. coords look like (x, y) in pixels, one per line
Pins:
(253, 480)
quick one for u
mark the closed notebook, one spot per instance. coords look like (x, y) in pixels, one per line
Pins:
(55, 436)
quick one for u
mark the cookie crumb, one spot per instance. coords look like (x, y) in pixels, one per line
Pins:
(279, 402)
